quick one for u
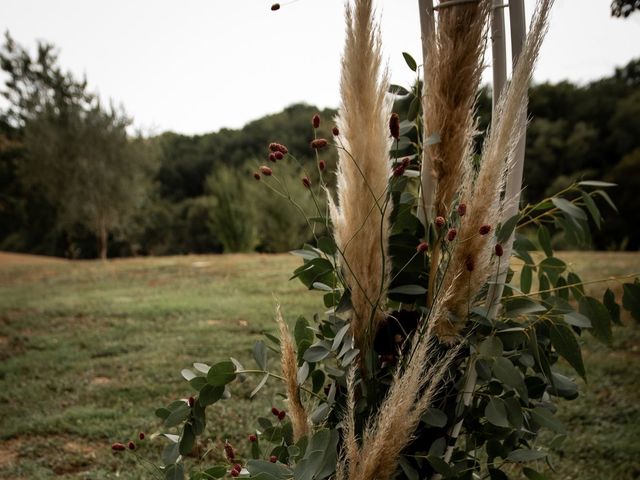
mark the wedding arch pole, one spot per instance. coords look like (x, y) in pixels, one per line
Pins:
(427, 187)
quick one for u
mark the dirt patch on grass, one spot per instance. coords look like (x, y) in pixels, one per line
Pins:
(9, 452)
(7, 258)
(100, 381)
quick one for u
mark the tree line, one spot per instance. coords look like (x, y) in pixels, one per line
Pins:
(75, 182)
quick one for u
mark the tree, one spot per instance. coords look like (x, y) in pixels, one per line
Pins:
(77, 153)
(624, 8)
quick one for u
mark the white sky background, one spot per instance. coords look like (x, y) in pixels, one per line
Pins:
(195, 66)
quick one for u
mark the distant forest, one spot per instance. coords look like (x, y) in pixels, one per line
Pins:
(73, 183)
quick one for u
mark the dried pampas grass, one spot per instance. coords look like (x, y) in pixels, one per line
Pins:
(414, 388)
(361, 215)
(297, 413)
(455, 55)
(470, 262)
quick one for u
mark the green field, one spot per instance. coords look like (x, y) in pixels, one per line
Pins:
(89, 349)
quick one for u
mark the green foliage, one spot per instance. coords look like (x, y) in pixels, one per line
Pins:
(233, 218)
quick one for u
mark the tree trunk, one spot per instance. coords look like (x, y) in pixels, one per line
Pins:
(103, 237)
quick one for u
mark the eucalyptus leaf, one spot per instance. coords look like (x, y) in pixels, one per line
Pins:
(565, 343)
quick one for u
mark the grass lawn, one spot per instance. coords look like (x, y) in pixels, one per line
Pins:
(89, 349)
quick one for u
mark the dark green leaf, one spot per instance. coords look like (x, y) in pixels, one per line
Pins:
(276, 470)
(504, 371)
(496, 412)
(545, 240)
(609, 301)
(576, 285)
(577, 320)
(545, 418)
(607, 199)
(592, 207)
(631, 299)
(521, 306)
(565, 343)
(260, 354)
(221, 373)
(162, 413)
(187, 439)
(599, 316)
(495, 474)
(216, 472)
(316, 353)
(525, 455)
(198, 383)
(440, 466)
(259, 386)
(410, 61)
(210, 394)
(178, 415)
(170, 453)
(434, 417)
(491, 347)
(507, 228)
(597, 183)
(327, 245)
(553, 267)
(398, 90)
(408, 290)
(569, 208)
(526, 278)
(174, 472)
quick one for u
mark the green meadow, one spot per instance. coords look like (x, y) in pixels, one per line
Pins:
(89, 349)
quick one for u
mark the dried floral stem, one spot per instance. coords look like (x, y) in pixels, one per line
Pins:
(297, 413)
(484, 205)
(363, 172)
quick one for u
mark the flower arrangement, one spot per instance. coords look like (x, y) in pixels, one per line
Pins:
(429, 361)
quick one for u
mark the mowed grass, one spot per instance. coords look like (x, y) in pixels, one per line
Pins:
(88, 350)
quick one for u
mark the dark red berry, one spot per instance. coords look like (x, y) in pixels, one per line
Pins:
(272, 157)
(315, 121)
(275, 411)
(318, 143)
(131, 445)
(253, 438)
(237, 467)
(498, 249)
(141, 435)
(398, 171)
(451, 235)
(462, 209)
(282, 149)
(278, 155)
(191, 401)
(275, 6)
(406, 162)
(256, 175)
(234, 473)
(440, 221)
(273, 459)
(228, 451)
(422, 247)
(274, 146)
(322, 165)
(118, 447)
(484, 229)
(394, 125)
(335, 131)
(281, 415)
(306, 182)
(266, 171)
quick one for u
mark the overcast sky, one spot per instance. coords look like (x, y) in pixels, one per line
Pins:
(195, 66)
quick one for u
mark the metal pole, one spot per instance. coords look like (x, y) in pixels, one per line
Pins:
(427, 182)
